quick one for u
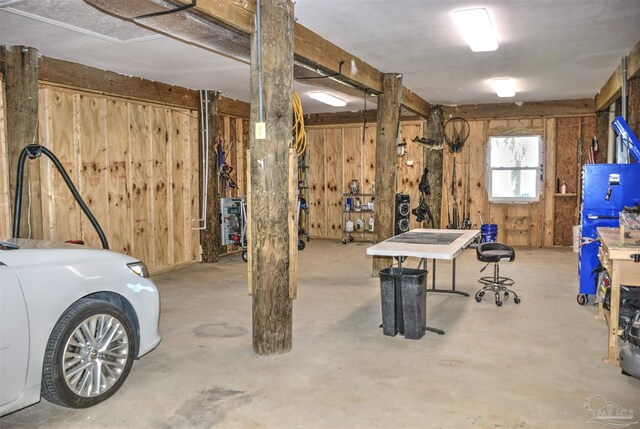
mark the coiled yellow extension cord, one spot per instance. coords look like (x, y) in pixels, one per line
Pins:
(299, 142)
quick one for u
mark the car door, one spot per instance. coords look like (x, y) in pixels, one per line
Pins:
(14, 336)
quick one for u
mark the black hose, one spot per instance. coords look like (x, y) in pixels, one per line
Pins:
(37, 149)
(17, 201)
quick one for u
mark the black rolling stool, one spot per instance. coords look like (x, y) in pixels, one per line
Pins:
(493, 253)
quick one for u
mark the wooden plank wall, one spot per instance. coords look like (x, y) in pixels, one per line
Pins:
(573, 138)
(134, 163)
(338, 154)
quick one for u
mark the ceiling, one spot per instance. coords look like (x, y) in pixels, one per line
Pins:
(553, 49)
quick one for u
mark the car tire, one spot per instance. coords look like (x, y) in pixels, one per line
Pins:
(75, 360)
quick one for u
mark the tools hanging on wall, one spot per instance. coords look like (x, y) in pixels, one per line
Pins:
(226, 182)
(456, 133)
(423, 211)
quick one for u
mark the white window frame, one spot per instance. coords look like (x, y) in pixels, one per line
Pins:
(539, 172)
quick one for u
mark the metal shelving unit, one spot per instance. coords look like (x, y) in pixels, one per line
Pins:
(303, 198)
(357, 216)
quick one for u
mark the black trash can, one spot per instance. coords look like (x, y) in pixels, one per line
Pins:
(404, 302)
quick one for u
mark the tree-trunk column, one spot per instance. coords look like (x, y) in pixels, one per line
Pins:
(21, 108)
(272, 305)
(386, 154)
(210, 236)
(435, 131)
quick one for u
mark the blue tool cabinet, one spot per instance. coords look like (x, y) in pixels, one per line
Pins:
(606, 189)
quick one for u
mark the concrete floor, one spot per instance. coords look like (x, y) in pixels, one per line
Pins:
(532, 365)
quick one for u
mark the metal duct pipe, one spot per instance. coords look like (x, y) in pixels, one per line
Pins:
(204, 150)
(186, 25)
(624, 87)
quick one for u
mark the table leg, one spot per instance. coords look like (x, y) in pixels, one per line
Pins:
(424, 262)
(453, 282)
(433, 275)
(436, 330)
(614, 313)
(600, 315)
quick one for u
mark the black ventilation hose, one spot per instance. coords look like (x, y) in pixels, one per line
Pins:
(34, 151)
(17, 201)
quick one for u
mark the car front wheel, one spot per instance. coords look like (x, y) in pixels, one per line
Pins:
(88, 356)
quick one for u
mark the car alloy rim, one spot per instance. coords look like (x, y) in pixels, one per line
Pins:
(95, 355)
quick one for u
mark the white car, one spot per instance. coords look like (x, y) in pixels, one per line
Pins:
(72, 319)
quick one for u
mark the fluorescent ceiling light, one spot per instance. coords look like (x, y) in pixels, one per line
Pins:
(328, 99)
(476, 29)
(504, 87)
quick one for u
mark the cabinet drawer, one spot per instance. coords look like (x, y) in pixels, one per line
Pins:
(630, 273)
(604, 259)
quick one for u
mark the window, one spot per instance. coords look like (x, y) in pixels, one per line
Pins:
(514, 169)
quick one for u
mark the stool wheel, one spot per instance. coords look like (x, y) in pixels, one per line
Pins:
(499, 303)
(506, 295)
(516, 300)
(481, 294)
(478, 298)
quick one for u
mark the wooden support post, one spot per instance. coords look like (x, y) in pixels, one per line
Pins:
(386, 160)
(210, 236)
(272, 305)
(21, 109)
(435, 131)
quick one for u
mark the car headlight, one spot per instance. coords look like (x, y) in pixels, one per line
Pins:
(139, 268)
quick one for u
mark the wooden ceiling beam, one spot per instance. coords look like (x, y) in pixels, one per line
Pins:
(633, 62)
(415, 104)
(526, 110)
(341, 118)
(612, 89)
(104, 82)
(309, 48)
(238, 14)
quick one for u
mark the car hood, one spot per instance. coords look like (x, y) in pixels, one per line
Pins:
(25, 243)
(42, 252)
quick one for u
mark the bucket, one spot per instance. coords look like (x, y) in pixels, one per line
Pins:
(576, 238)
(489, 232)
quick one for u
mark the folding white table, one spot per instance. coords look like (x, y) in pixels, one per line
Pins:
(428, 244)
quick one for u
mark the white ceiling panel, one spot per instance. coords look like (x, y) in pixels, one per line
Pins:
(553, 49)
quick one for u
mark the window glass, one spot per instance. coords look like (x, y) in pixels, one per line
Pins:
(514, 168)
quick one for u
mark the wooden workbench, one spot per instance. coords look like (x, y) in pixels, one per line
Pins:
(615, 254)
